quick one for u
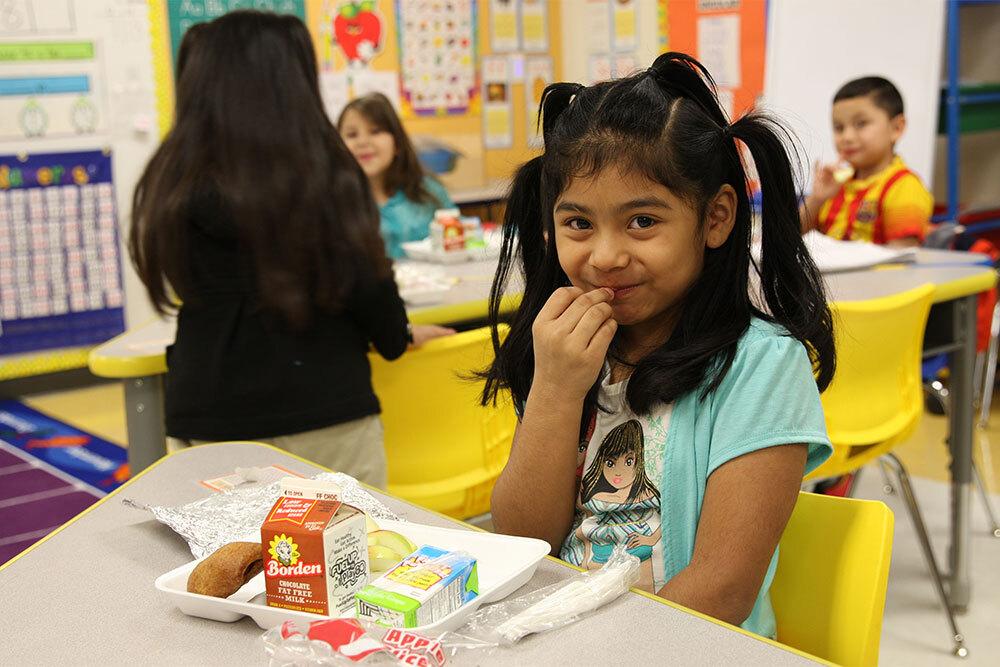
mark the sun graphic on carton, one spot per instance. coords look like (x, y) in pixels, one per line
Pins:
(284, 549)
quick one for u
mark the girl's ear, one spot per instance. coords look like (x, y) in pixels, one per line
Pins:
(720, 216)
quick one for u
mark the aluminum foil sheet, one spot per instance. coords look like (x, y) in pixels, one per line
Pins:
(236, 515)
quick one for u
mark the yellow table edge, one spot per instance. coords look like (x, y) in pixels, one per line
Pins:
(654, 598)
(53, 361)
(110, 366)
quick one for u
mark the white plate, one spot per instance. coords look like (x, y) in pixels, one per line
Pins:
(505, 564)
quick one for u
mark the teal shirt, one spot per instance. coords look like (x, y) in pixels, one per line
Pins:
(768, 398)
(403, 220)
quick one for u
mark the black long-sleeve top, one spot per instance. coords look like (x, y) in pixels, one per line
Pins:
(237, 372)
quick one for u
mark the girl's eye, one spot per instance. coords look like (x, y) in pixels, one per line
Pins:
(578, 224)
(629, 461)
(641, 222)
(608, 463)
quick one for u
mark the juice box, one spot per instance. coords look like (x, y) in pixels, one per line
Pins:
(425, 587)
(315, 550)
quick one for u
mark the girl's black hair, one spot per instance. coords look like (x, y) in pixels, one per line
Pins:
(666, 124)
(252, 137)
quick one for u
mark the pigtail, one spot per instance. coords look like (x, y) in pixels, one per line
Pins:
(522, 238)
(790, 282)
(680, 75)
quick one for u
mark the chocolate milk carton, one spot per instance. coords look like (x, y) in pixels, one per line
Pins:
(315, 549)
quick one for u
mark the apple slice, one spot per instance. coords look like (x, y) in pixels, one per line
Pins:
(393, 540)
(382, 559)
(370, 525)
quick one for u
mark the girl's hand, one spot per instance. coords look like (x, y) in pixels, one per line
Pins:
(571, 335)
(824, 186)
(425, 332)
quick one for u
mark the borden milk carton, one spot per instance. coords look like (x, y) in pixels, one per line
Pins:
(315, 549)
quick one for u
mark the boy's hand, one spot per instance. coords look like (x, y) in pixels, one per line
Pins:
(571, 335)
(824, 185)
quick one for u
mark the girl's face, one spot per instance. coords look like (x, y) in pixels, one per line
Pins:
(620, 472)
(633, 235)
(373, 147)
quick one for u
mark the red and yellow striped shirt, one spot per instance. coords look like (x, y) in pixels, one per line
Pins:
(892, 204)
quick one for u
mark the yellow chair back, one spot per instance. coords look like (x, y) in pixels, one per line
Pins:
(444, 450)
(833, 568)
(876, 397)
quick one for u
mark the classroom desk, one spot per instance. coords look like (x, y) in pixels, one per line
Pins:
(85, 595)
(958, 278)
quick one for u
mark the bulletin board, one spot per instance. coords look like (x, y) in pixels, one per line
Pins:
(728, 37)
(378, 45)
(76, 128)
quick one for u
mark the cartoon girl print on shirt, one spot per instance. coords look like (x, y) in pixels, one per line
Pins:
(620, 503)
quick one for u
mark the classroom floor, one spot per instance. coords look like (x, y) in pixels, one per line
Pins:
(915, 632)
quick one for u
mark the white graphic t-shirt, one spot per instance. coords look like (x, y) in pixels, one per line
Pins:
(620, 466)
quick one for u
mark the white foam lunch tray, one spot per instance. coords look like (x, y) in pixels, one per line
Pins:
(505, 564)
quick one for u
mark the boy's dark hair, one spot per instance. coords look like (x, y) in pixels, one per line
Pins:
(405, 172)
(664, 123)
(882, 91)
(252, 137)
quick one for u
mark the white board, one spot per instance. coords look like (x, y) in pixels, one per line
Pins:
(815, 46)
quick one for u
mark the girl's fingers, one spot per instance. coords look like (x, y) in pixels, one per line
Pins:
(560, 300)
(601, 340)
(574, 314)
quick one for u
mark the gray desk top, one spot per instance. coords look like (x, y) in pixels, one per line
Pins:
(86, 597)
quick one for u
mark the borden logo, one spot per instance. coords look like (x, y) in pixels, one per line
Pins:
(284, 549)
(276, 569)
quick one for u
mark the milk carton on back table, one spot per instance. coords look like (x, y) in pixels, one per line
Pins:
(315, 550)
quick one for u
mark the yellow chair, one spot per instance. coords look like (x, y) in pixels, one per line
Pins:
(444, 450)
(833, 568)
(876, 400)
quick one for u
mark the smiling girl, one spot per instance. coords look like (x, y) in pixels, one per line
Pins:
(637, 333)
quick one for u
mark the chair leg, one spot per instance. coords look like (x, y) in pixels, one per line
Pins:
(987, 504)
(887, 487)
(990, 368)
(917, 518)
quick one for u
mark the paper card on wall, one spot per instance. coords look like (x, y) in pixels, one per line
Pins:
(60, 277)
(537, 75)
(599, 68)
(498, 121)
(503, 26)
(598, 24)
(719, 48)
(534, 26)
(333, 88)
(373, 81)
(437, 56)
(625, 34)
(516, 67)
(625, 65)
(716, 5)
